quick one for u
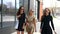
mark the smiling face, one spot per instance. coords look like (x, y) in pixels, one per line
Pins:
(30, 12)
(22, 8)
(47, 11)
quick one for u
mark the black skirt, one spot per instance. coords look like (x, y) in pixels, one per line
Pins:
(20, 27)
(46, 31)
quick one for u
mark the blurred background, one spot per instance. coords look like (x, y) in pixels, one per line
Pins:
(9, 8)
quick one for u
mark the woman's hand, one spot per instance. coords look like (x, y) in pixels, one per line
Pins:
(23, 25)
(27, 24)
(55, 32)
(40, 30)
(35, 30)
(18, 16)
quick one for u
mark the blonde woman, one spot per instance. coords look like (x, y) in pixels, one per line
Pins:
(31, 23)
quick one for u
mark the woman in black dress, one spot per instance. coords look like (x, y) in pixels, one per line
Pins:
(45, 20)
(21, 19)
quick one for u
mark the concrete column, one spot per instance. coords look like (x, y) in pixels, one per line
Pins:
(32, 4)
(41, 9)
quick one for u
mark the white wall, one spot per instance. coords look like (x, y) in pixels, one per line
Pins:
(48, 3)
(58, 4)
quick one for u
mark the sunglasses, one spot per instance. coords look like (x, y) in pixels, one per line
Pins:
(22, 9)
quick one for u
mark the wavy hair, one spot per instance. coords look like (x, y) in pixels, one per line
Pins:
(19, 10)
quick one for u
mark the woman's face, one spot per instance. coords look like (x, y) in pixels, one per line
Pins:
(31, 12)
(47, 12)
(22, 10)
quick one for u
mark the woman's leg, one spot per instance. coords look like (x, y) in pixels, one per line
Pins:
(29, 32)
(22, 32)
(18, 32)
(32, 32)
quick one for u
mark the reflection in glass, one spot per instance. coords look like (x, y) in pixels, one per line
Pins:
(17, 4)
(8, 12)
(0, 13)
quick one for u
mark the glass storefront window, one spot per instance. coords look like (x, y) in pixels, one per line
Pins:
(0, 13)
(26, 6)
(17, 6)
(8, 12)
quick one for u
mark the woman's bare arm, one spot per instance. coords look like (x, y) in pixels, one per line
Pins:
(34, 21)
(18, 16)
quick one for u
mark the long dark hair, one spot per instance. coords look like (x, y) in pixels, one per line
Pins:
(19, 10)
(44, 13)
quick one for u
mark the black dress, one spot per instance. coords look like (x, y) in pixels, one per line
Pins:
(45, 25)
(21, 22)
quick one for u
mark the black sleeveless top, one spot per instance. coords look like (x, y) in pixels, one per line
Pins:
(22, 18)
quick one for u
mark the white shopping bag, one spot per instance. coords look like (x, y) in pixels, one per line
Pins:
(16, 26)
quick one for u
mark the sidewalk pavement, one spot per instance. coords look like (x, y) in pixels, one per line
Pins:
(57, 24)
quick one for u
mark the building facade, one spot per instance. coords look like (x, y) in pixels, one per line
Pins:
(9, 8)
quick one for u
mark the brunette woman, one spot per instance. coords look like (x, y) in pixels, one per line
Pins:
(45, 20)
(21, 19)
